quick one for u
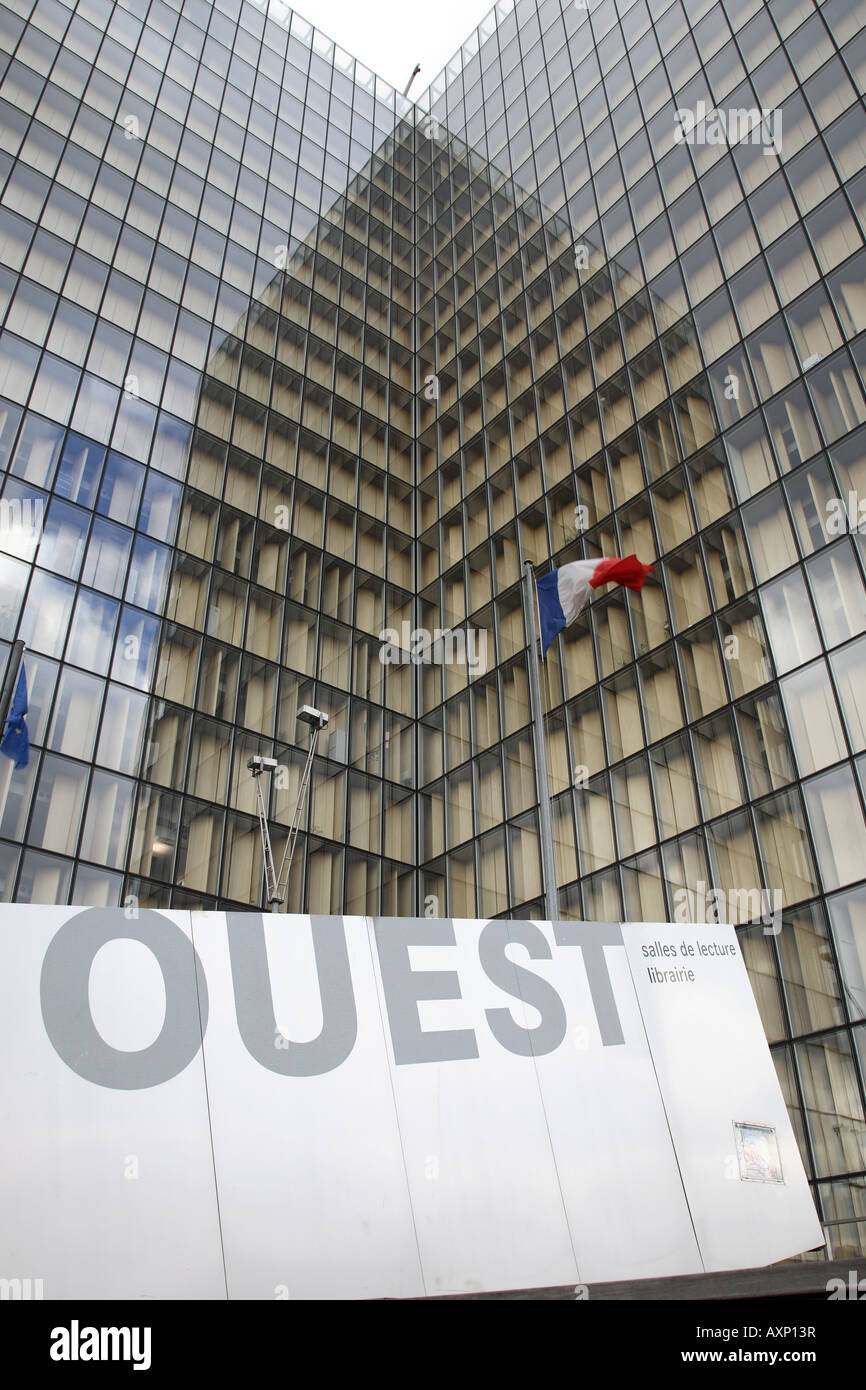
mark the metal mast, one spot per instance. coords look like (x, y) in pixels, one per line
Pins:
(545, 821)
(277, 882)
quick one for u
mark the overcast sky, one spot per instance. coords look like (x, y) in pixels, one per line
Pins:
(391, 36)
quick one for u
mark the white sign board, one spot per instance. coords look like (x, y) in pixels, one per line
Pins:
(211, 1105)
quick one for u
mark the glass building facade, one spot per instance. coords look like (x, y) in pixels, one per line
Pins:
(289, 361)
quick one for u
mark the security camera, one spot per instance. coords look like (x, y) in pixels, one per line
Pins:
(313, 717)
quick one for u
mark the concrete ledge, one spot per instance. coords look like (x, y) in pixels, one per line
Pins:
(803, 1280)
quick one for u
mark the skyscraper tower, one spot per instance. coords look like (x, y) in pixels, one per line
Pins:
(296, 374)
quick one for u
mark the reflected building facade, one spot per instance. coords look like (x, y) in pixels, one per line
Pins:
(289, 362)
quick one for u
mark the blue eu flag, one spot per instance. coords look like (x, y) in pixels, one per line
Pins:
(15, 742)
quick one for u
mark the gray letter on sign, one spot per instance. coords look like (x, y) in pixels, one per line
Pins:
(522, 984)
(592, 937)
(254, 1001)
(405, 986)
(66, 1008)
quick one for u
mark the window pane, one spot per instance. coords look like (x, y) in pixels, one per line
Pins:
(107, 553)
(813, 718)
(79, 472)
(770, 537)
(849, 673)
(790, 625)
(91, 635)
(13, 582)
(97, 887)
(76, 714)
(595, 830)
(121, 488)
(839, 595)
(38, 451)
(109, 816)
(808, 973)
(58, 805)
(44, 879)
(757, 949)
(837, 826)
(718, 763)
(785, 848)
(834, 1110)
(848, 920)
(809, 492)
(735, 863)
(766, 750)
(135, 649)
(45, 622)
(123, 723)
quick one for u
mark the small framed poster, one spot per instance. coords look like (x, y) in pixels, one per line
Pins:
(758, 1153)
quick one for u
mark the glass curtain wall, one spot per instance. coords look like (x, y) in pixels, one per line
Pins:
(296, 374)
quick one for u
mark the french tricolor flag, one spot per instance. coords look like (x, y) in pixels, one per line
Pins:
(564, 593)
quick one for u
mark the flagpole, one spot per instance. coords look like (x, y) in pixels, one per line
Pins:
(548, 863)
(10, 681)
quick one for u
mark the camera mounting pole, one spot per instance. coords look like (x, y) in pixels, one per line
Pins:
(277, 883)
